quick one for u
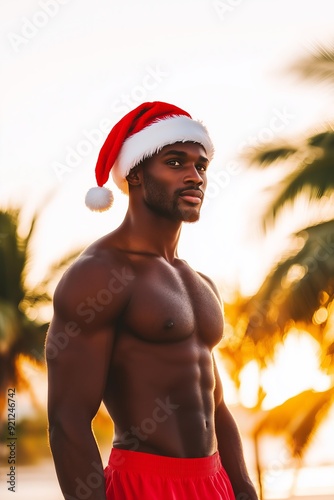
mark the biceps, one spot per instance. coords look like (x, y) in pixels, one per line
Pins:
(78, 364)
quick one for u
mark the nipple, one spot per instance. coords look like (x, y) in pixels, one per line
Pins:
(169, 324)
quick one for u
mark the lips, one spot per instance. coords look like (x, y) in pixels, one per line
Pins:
(193, 196)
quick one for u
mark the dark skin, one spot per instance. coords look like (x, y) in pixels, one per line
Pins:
(139, 327)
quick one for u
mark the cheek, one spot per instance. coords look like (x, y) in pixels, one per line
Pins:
(157, 189)
(164, 182)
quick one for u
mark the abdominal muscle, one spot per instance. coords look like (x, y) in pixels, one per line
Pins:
(160, 397)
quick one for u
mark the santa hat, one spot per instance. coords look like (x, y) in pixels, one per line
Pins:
(140, 134)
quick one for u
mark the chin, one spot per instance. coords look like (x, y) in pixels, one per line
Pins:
(191, 217)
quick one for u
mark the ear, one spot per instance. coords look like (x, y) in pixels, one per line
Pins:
(134, 177)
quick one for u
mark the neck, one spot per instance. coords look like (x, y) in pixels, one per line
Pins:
(149, 232)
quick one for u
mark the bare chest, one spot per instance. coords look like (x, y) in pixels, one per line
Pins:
(169, 304)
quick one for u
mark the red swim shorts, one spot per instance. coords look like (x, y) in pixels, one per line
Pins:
(133, 475)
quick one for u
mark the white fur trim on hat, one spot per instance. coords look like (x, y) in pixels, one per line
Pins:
(153, 138)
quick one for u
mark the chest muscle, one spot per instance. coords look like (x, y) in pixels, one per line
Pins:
(170, 304)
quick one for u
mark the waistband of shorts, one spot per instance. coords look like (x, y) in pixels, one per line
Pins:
(137, 461)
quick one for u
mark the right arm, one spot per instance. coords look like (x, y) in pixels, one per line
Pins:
(87, 303)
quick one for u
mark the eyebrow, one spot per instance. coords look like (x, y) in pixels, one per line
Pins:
(182, 154)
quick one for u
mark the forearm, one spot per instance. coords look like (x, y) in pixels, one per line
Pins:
(78, 463)
(232, 457)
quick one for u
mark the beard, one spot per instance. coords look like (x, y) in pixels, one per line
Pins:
(159, 202)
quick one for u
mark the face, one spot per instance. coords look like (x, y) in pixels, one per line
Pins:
(174, 181)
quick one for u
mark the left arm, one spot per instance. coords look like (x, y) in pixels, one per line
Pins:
(230, 447)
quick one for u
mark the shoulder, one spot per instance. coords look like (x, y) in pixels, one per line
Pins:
(211, 284)
(99, 281)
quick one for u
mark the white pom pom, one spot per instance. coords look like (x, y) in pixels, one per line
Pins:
(99, 199)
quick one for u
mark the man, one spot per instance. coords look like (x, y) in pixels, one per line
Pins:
(138, 327)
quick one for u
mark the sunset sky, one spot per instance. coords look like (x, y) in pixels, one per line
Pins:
(72, 69)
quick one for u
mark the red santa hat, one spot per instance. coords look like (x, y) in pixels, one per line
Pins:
(140, 134)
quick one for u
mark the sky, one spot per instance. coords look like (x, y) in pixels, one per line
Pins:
(71, 69)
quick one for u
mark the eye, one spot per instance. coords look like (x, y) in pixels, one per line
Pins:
(174, 163)
(201, 168)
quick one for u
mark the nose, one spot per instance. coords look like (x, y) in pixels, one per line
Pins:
(193, 176)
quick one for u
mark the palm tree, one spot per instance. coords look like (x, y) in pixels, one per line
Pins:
(301, 287)
(297, 419)
(299, 291)
(21, 334)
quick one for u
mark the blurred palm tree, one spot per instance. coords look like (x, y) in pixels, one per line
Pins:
(298, 419)
(318, 67)
(21, 333)
(299, 291)
(300, 288)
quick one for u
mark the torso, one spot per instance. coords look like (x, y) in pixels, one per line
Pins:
(160, 385)
(160, 388)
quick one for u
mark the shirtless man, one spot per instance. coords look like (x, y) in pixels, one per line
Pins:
(134, 326)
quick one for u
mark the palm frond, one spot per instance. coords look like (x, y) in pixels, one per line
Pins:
(324, 140)
(318, 66)
(293, 290)
(9, 327)
(315, 180)
(298, 419)
(12, 258)
(20, 334)
(311, 169)
(264, 157)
